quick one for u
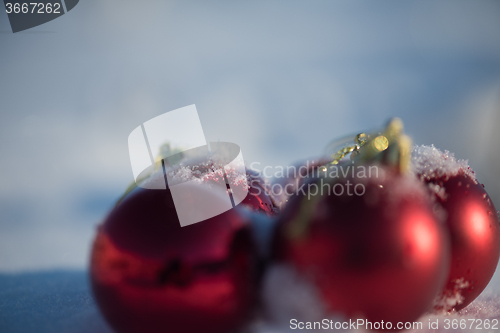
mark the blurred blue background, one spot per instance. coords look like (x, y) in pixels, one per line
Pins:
(279, 78)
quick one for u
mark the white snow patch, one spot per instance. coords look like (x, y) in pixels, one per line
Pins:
(286, 296)
(446, 301)
(439, 191)
(429, 162)
(203, 172)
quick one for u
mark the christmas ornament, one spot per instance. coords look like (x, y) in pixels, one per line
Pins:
(210, 171)
(370, 243)
(471, 221)
(149, 274)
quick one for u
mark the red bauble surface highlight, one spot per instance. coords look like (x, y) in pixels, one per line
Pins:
(473, 225)
(149, 274)
(379, 256)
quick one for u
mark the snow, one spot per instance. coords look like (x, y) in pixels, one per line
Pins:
(61, 302)
(203, 172)
(452, 298)
(288, 296)
(430, 162)
(48, 302)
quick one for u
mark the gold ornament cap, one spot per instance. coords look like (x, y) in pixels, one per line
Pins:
(389, 147)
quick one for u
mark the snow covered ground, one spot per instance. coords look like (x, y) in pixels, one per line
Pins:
(61, 302)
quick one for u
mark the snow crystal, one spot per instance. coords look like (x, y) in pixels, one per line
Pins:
(440, 191)
(448, 300)
(203, 172)
(429, 162)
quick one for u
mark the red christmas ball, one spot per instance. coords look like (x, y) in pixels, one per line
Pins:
(471, 220)
(149, 274)
(371, 246)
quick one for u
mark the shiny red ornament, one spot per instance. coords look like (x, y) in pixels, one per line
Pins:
(471, 220)
(473, 225)
(379, 255)
(149, 274)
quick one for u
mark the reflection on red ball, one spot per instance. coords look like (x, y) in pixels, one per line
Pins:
(259, 198)
(380, 256)
(149, 274)
(474, 229)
